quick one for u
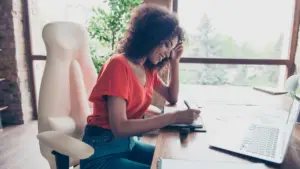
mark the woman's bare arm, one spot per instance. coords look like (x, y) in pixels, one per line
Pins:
(170, 93)
(123, 127)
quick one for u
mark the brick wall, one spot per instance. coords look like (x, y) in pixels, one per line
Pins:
(14, 91)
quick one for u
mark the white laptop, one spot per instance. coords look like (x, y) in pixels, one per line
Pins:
(268, 142)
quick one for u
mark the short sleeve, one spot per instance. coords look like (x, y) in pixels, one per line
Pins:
(112, 80)
(156, 80)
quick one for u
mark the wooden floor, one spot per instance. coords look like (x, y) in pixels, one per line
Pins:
(19, 148)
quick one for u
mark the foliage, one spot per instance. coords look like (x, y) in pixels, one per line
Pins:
(99, 61)
(108, 26)
(208, 42)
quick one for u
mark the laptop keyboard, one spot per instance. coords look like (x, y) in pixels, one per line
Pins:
(261, 140)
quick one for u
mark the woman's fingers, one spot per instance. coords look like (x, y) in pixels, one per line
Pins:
(179, 46)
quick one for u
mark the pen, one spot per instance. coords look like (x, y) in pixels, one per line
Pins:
(187, 104)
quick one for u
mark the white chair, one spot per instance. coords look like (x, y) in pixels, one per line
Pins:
(63, 107)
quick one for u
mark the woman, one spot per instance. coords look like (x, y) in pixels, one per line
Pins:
(124, 91)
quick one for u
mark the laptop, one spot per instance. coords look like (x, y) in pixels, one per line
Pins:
(268, 142)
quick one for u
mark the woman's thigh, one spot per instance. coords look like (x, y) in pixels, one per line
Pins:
(105, 146)
(142, 153)
(122, 163)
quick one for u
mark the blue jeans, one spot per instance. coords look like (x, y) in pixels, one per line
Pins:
(112, 153)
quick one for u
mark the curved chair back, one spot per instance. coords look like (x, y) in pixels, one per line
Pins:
(67, 81)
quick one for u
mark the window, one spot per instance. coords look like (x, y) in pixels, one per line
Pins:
(249, 29)
(45, 11)
(231, 74)
(233, 42)
(38, 66)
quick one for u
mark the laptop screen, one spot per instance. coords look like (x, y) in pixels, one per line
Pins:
(290, 124)
(293, 113)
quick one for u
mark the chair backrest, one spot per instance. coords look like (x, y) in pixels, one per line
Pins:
(68, 78)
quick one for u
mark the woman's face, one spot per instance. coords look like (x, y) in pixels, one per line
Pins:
(163, 50)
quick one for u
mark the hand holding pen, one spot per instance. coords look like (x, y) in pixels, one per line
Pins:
(184, 131)
(187, 116)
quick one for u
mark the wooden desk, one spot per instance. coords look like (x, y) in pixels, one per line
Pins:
(196, 147)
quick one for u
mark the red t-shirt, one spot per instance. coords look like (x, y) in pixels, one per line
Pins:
(116, 78)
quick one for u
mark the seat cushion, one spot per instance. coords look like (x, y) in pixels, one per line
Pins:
(64, 124)
(77, 167)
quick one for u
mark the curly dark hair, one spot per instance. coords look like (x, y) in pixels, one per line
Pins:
(149, 26)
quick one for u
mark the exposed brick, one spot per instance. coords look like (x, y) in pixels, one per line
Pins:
(5, 14)
(3, 26)
(7, 54)
(2, 34)
(11, 45)
(13, 67)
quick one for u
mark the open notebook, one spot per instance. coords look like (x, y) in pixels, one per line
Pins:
(189, 164)
(181, 106)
